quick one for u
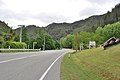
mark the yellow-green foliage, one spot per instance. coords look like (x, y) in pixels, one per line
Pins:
(100, 35)
(15, 45)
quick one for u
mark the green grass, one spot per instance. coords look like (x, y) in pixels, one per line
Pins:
(92, 64)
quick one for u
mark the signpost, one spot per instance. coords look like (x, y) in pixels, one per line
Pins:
(34, 44)
(92, 44)
(81, 46)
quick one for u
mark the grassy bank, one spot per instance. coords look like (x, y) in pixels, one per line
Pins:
(92, 64)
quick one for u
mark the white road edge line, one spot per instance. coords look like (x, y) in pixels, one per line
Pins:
(17, 58)
(45, 73)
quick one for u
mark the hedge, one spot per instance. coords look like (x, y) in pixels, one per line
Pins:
(14, 45)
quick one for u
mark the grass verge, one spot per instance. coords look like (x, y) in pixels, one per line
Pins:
(92, 64)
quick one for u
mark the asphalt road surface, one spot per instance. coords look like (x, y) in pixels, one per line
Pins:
(43, 65)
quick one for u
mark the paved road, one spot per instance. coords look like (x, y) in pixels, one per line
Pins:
(44, 65)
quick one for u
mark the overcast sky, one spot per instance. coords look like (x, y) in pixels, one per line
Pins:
(44, 12)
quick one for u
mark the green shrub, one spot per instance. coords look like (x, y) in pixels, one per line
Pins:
(14, 45)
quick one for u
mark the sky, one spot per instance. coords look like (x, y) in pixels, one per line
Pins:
(45, 12)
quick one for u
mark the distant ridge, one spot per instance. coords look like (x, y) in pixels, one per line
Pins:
(4, 28)
(58, 30)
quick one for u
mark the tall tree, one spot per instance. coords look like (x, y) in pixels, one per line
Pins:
(10, 36)
(25, 35)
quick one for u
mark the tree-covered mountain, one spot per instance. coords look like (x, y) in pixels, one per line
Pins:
(58, 30)
(31, 30)
(4, 28)
(32, 34)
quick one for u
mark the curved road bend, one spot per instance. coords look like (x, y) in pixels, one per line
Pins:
(44, 65)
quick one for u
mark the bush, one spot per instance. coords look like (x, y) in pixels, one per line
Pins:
(99, 36)
(14, 45)
(57, 45)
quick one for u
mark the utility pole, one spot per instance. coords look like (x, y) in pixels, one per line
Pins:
(21, 32)
(76, 41)
(28, 46)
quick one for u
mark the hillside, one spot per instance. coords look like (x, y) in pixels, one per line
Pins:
(4, 28)
(58, 30)
(92, 64)
(32, 29)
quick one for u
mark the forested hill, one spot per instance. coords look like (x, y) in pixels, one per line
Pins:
(4, 28)
(31, 30)
(58, 30)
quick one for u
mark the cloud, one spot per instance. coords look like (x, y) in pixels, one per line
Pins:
(6, 13)
(98, 7)
(9, 14)
(99, 2)
(50, 17)
(1, 3)
(89, 11)
(27, 18)
(43, 12)
(102, 2)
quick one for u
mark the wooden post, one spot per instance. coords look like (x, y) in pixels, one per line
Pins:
(76, 41)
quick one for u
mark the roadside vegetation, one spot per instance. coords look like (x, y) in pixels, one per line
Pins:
(92, 64)
(100, 36)
(11, 40)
